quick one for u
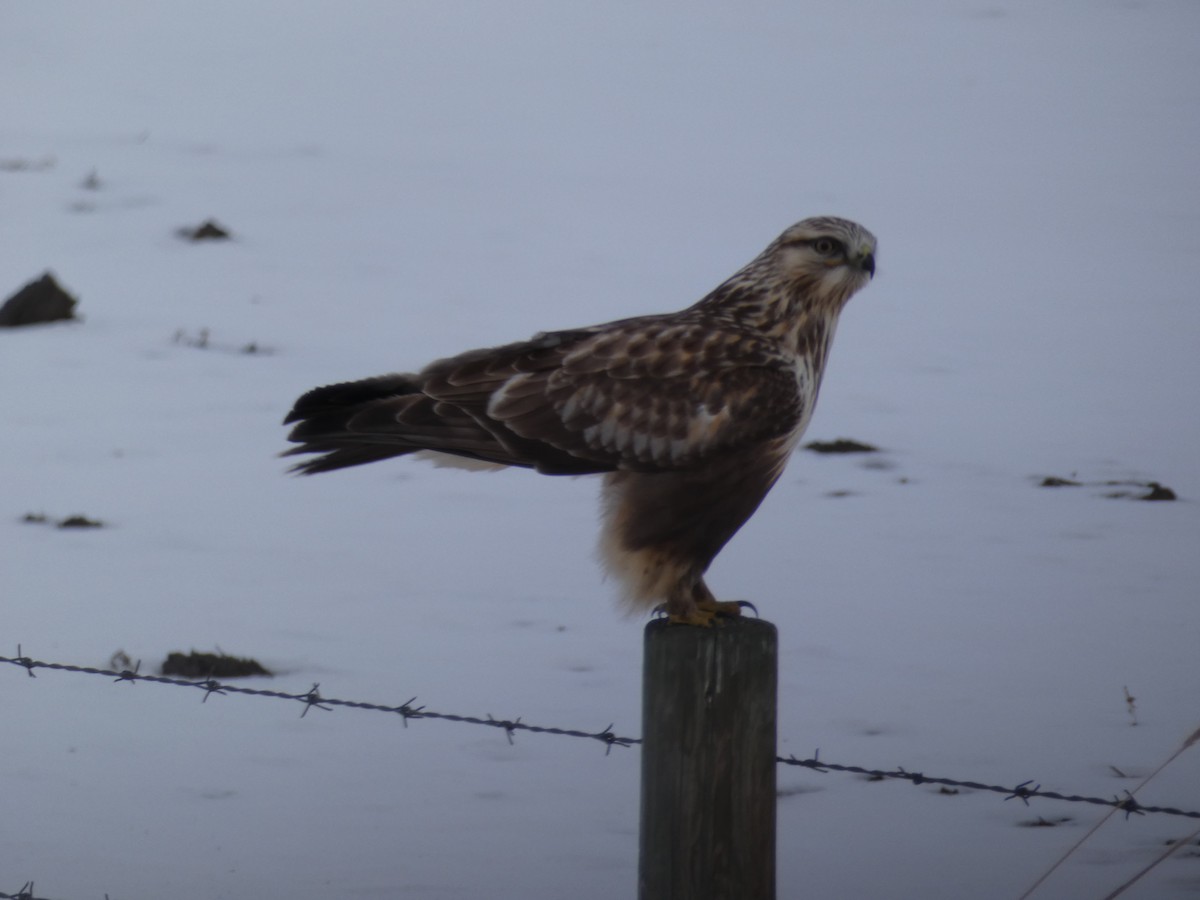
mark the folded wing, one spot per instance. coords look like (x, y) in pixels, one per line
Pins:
(652, 394)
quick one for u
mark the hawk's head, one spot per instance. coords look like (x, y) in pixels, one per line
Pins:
(829, 258)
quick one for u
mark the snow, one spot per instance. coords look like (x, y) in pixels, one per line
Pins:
(405, 181)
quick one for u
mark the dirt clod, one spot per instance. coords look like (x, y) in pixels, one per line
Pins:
(211, 665)
(42, 300)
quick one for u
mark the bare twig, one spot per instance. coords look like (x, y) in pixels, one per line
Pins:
(1188, 742)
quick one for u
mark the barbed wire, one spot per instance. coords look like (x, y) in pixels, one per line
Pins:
(1022, 791)
(312, 698)
(24, 892)
(1025, 791)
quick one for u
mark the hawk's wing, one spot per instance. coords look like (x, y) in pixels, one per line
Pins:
(647, 394)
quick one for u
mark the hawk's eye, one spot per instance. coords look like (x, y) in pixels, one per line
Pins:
(826, 246)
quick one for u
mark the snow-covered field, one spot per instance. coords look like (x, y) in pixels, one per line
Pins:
(407, 180)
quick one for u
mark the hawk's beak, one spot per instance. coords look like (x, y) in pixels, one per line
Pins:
(866, 262)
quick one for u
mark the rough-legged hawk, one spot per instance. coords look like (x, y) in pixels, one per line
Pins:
(691, 416)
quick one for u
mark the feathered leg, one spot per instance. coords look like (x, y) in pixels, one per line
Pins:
(663, 529)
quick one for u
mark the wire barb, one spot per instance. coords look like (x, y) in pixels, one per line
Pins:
(408, 711)
(131, 677)
(210, 686)
(22, 660)
(311, 699)
(1023, 792)
(610, 739)
(508, 726)
(1129, 806)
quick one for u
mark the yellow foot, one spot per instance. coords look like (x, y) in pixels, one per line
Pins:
(723, 607)
(706, 612)
(698, 617)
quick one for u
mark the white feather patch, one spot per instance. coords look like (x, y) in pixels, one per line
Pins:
(453, 461)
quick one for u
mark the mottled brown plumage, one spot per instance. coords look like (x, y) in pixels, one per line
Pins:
(692, 415)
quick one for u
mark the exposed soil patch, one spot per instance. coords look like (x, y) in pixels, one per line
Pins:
(208, 230)
(1129, 490)
(76, 521)
(1041, 822)
(211, 665)
(43, 300)
(841, 445)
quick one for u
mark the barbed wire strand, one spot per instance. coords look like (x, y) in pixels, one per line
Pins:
(1025, 791)
(313, 698)
(24, 892)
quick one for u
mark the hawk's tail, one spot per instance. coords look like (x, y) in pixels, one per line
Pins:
(323, 417)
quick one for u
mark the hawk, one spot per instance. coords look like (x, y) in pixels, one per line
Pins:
(690, 416)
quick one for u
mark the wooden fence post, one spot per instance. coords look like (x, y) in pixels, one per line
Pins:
(708, 761)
